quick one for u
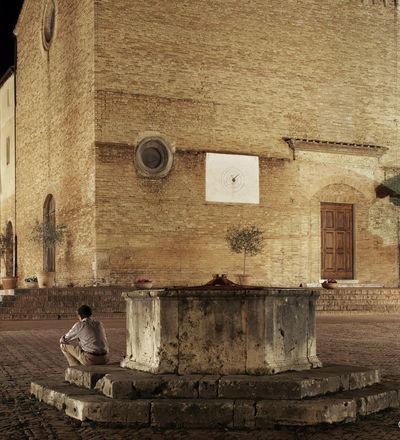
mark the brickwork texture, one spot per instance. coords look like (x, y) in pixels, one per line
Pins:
(224, 76)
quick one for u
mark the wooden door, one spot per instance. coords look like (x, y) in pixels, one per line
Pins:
(336, 241)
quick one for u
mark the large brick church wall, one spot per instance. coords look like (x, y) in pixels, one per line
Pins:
(55, 134)
(221, 76)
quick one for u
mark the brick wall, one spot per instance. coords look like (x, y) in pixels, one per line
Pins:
(55, 134)
(210, 75)
(234, 76)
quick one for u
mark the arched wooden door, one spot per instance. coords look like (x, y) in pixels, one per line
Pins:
(337, 241)
(49, 219)
(10, 250)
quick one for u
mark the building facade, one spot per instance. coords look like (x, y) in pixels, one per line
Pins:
(7, 169)
(153, 126)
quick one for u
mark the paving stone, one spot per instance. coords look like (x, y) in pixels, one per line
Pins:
(197, 413)
(30, 350)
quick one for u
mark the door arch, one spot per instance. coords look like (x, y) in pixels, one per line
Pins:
(49, 219)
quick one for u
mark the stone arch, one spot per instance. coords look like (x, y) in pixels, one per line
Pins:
(49, 218)
(354, 193)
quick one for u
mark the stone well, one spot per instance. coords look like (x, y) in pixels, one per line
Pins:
(215, 330)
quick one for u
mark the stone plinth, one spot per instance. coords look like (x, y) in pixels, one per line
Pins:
(220, 331)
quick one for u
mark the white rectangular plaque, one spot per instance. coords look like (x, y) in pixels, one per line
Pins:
(232, 178)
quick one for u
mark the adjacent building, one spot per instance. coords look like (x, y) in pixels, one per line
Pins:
(7, 169)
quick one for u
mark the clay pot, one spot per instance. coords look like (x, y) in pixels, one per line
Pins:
(327, 285)
(244, 280)
(45, 279)
(9, 282)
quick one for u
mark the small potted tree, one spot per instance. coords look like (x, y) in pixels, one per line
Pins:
(9, 281)
(48, 235)
(246, 240)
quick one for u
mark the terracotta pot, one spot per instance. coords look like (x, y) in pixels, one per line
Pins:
(327, 285)
(45, 279)
(9, 282)
(244, 280)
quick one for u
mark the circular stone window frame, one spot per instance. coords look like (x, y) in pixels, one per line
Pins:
(166, 153)
(48, 23)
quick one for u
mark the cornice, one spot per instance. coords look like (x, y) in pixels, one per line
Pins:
(316, 145)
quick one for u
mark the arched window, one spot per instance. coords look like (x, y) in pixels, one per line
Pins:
(49, 219)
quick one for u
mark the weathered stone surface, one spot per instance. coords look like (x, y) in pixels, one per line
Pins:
(152, 341)
(160, 411)
(87, 377)
(100, 409)
(361, 379)
(54, 392)
(219, 331)
(138, 385)
(208, 387)
(375, 398)
(120, 383)
(305, 412)
(192, 413)
(244, 412)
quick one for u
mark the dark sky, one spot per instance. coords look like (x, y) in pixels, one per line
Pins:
(9, 10)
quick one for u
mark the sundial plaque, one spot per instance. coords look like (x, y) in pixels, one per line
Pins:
(232, 178)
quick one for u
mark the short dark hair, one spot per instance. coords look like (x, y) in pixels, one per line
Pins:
(84, 311)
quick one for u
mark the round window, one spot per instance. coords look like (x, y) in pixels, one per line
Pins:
(49, 19)
(153, 157)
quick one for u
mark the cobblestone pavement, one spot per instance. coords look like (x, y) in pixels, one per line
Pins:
(29, 349)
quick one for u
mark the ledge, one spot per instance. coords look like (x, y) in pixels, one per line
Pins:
(335, 147)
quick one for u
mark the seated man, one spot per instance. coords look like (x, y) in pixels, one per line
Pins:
(86, 342)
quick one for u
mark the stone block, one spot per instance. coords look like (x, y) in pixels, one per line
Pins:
(244, 412)
(87, 377)
(305, 412)
(197, 413)
(375, 398)
(183, 387)
(116, 385)
(294, 385)
(135, 384)
(361, 379)
(100, 409)
(208, 387)
(221, 331)
(370, 404)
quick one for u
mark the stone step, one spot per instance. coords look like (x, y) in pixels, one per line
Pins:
(84, 404)
(121, 383)
(359, 300)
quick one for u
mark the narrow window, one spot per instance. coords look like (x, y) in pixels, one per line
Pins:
(49, 217)
(8, 150)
